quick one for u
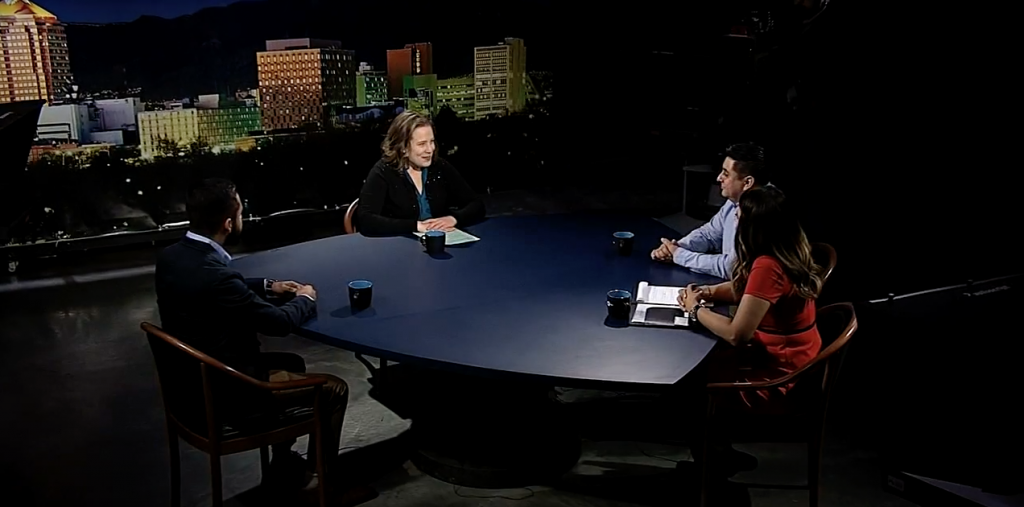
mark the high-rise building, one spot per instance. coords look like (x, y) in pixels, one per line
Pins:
(458, 93)
(412, 60)
(35, 64)
(160, 129)
(303, 80)
(500, 73)
(371, 86)
(220, 128)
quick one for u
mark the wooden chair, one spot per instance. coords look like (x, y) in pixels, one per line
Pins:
(825, 256)
(187, 382)
(350, 226)
(804, 419)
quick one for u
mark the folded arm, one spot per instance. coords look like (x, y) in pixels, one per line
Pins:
(234, 294)
(740, 329)
(708, 237)
(371, 205)
(719, 265)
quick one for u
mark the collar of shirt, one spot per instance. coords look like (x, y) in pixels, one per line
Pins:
(224, 255)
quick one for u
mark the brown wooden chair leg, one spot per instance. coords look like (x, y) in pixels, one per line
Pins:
(216, 486)
(814, 447)
(175, 468)
(264, 462)
(705, 487)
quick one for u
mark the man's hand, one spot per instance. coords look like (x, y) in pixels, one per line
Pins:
(666, 252)
(446, 224)
(306, 290)
(282, 288)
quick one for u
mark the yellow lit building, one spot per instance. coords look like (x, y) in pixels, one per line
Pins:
(500, 73)
(34, 62)
(180, 126)
(457, 93)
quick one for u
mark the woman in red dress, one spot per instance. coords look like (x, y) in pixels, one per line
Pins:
(775, 282)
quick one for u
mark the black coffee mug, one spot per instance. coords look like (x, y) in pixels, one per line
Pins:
(619, 304)
(360, 294)
(433, 241)
(624, 242)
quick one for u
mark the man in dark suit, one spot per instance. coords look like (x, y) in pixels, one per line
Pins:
(210, 306)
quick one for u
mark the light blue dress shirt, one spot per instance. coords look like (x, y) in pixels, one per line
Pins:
(221, 252)
(711, 248)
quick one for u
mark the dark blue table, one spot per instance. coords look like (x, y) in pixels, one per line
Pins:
(526, 301)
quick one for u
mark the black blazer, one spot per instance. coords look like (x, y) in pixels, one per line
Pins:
(388, 204)
(208, 305)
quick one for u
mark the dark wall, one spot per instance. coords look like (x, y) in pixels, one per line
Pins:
(892, 150)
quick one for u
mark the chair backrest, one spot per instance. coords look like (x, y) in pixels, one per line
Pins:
(188, 378)
(350, 226)
(836, 325)
(825, 256)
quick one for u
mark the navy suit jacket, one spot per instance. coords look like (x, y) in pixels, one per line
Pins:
(208, 305)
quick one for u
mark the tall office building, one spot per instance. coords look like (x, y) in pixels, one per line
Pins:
(303, 80)
(457, 93)
(500, 73)
(34, 52)
(178, 126)
(412, 60)
(220, 128)
(371, 86)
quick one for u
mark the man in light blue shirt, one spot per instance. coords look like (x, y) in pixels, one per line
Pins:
(710, 248)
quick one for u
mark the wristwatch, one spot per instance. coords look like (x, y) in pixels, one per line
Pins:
(693, 313)
(268, 286)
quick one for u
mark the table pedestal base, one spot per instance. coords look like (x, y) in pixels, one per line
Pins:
(495, 447)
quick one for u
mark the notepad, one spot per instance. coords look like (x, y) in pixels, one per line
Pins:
(657, 305)
(456, 237)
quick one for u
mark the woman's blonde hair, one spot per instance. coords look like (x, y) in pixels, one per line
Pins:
(395, 148)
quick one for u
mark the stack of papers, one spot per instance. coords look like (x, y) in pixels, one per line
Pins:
(456, 237)
(656, 306)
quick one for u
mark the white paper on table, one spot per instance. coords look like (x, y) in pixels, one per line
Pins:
(456, 237)
(657, 294)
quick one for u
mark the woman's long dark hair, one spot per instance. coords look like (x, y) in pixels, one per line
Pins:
(768, 227)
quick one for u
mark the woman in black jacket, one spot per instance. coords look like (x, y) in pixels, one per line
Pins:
(410, 189)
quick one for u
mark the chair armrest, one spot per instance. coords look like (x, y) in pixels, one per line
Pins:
(227, 370)
(293, 384)
(753, 386)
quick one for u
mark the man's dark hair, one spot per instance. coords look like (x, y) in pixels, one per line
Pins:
(749, 159)
(210, 203)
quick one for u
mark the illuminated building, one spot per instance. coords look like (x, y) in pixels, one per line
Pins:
(178, 126)
(457, 93)
(412, 60)
(302, 80)
(371, 86)
(500, 73)
(418, 92)
(35, 64)
(220, 128)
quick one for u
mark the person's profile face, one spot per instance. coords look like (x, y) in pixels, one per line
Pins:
(733, 183)
(236, 221)
(421, 147)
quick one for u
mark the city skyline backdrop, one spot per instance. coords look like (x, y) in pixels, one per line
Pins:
(122, 11)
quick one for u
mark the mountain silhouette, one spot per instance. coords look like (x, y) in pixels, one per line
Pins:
(214, 50)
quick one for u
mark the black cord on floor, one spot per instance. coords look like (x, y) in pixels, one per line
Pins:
(455, 489)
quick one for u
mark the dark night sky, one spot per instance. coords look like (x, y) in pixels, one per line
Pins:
(101, 11)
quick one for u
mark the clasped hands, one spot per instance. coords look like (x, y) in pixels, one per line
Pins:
(446, 224)
(666, 252)
(289, 287)
(691, 295)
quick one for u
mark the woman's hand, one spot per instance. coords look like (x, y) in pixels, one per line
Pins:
(688, 299)
(446, 224)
